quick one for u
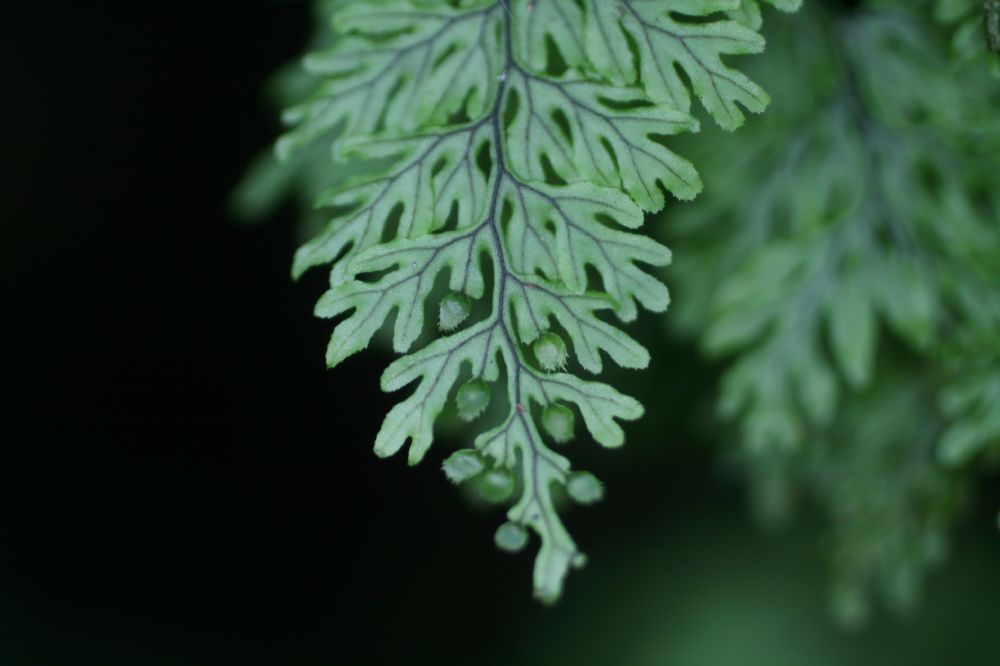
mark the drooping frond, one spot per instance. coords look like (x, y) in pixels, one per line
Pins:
(852, 226)
(520, 145)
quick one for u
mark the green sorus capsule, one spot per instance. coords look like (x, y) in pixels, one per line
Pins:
(497, 485)
(462, 465)
(511, 537)
(472, 398)
(550, 350)
(584, 488)
(453, 310)
(558, 421)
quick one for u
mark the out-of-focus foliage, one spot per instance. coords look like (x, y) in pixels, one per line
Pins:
(304, 176)
(977, 29)
(873, 472)
(749, 12)
(845, 262)
(706, 592)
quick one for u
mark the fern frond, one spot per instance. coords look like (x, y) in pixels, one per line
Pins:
(970, 404)
(520, 152)
(860, 215)
(845, 230)
(665, 45)
(749, 12)
(891, 507)
(977, 30)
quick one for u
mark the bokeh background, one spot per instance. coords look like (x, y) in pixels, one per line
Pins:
(186, 484)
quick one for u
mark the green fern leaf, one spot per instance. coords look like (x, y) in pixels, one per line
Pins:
(970, 403)
(842, 233)
(749, 12)
(503, 163)
(854, 221)
(664, 44)
(977, 30)
(436, 63)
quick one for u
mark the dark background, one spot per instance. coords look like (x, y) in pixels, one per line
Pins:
(187, 484)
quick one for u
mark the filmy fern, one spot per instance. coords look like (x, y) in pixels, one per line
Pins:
(847, 258)
(977, 31)
(520, 145)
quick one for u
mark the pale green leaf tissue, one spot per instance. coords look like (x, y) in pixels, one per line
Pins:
(520, 144)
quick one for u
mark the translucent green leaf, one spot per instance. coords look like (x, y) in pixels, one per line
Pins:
(664, 44)
(843, 267)
(505, 165)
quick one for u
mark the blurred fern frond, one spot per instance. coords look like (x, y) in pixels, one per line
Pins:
(857, 222)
